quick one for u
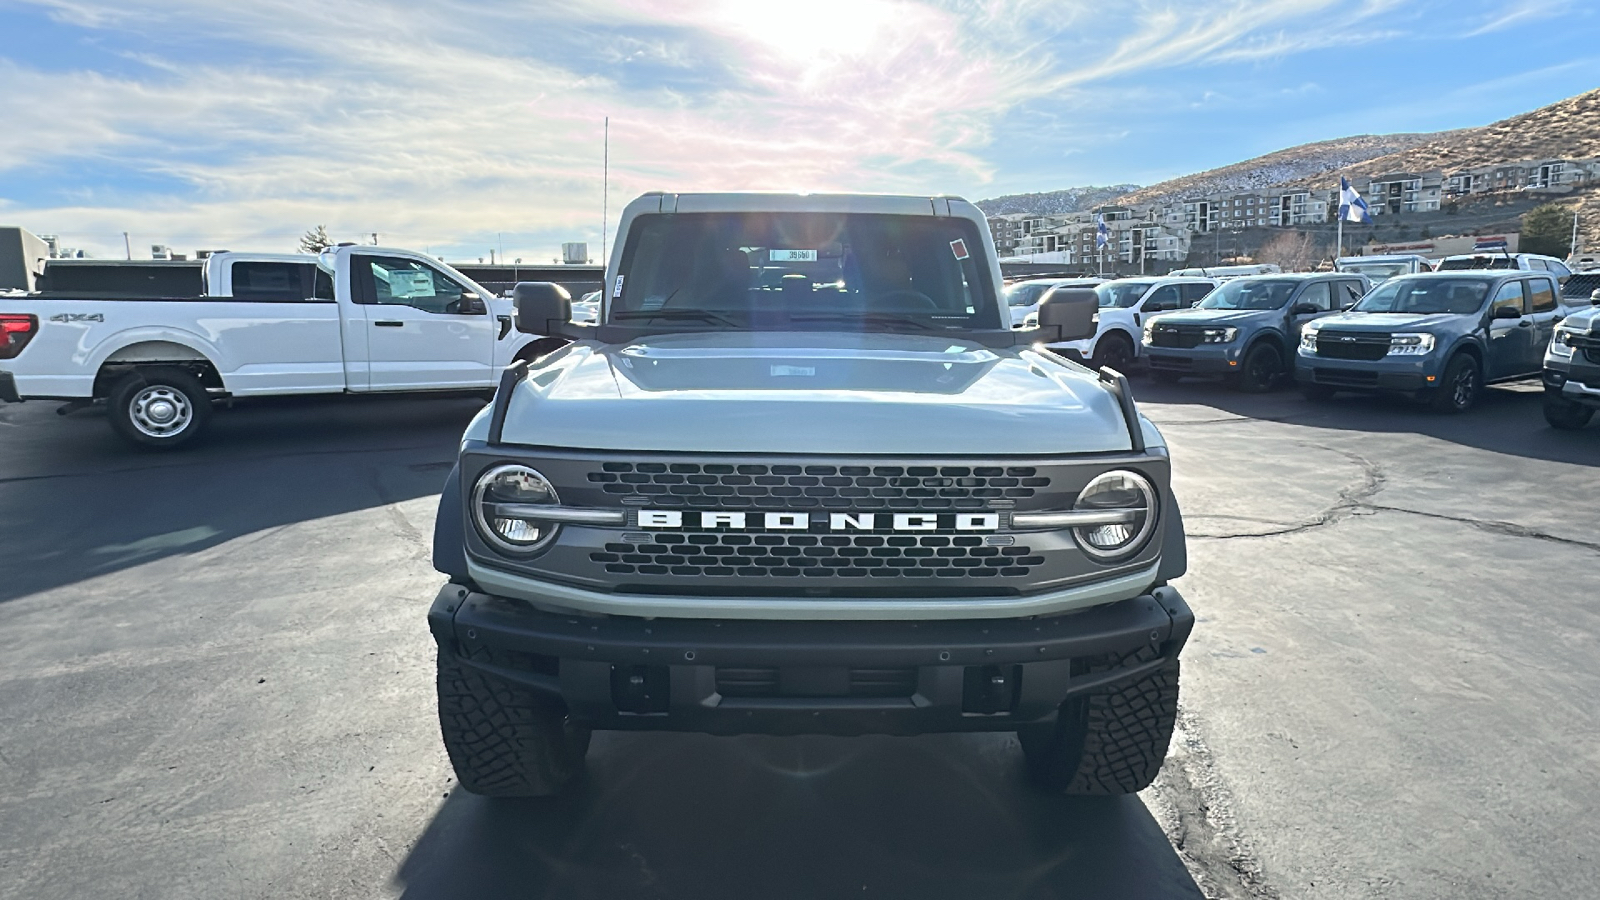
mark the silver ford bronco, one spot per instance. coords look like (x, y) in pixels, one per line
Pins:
(801, 476)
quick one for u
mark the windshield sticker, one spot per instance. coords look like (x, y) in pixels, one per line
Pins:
(791, 256)
(959, 248)
(617, 291)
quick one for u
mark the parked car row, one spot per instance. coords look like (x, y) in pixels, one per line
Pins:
(1440, 335)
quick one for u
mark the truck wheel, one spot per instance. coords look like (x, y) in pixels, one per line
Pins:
(159, 407)
(1459, 388)
(505, 740)
(1108, 743)
(1113, 351)
(1565, 414)
(1261, 369)
(1317, 392)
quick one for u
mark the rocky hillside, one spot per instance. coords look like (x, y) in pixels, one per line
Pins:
(1055, 203)
(1307, 163)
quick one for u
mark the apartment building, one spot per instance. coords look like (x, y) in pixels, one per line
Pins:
(1530, 174)
(1405, 192)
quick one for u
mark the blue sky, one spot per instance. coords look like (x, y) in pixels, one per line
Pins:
(460, 125)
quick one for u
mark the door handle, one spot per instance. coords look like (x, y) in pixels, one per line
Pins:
(389, 323)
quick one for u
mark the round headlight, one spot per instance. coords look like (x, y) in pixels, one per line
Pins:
(504, 508)
(1124, 492)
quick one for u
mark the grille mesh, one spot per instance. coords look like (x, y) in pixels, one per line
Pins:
(730, 486)
(1173, 336)
(1352, 345)
(816, 556)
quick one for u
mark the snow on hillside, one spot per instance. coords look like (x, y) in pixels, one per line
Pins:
(1055, 203)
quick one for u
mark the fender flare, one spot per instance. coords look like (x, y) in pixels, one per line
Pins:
(95, 358)
(449, 531)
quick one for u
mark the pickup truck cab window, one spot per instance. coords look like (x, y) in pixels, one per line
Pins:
(1121, 295)
(275, 282)
(1458, 297)
(394, 281)
(724, 271)
(1543, 294)
(1251, 294)
(1349, 293)
(1162, 299)
(1317, 294)
(1509, 296)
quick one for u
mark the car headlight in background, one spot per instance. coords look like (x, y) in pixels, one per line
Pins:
(1218, 335)
(1418, 344)
(1149, 331)
(1128, 494)
(505, 505)
(1308, 339)
(1561, 344)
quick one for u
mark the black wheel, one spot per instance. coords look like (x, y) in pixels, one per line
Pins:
(1565, 414)
(1459, 389)
(1261, 369)
(159, 407)
(1108, 743)
(1114, 351)
(505, 740)
(1163, 376)
(1317, 392)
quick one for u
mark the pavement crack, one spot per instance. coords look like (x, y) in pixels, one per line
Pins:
(1196, 812)
(1494, 526)
(1352, 499)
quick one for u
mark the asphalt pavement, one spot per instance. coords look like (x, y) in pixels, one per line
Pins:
(216, 681)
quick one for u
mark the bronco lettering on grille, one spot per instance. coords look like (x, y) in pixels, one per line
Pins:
(799, 521)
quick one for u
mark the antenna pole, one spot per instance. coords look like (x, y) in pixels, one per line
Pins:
(605, 188)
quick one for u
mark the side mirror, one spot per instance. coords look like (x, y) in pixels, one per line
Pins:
(1305, 309)
(1594, 298)
(1066, 314)
(471, 304)
(1507, 312)
(543, 307)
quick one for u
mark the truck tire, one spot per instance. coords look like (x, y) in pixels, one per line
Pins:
(1564, 414)
(505, 740)
(1114, 351)
(159, 407)
(1460, 387)
(1261, 369)
(1107, 743)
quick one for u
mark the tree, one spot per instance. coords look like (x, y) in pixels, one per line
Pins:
(1292, 251)
(1547, 229)
(316, 240)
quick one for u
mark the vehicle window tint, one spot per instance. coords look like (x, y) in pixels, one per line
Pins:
(1350, 292)
(1318, 295)
(1510, 294)
(323, 287)
(1536, 264)
(1558, 268)
(1194, 293)
(1163, 298)
(1543, 294)
(391, 281)
(271, 282)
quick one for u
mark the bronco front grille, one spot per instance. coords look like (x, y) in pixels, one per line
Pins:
(817, 556)
(754, 486)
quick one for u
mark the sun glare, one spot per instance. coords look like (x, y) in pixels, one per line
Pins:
(816, 29)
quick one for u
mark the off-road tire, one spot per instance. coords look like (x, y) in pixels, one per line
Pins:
(1114, 351)
(505, 740)
(1107, 743)
(180, 390)
(1261, 369)
(1317, 393)
(1566, 415)
(1450, 396)
(1165, 376)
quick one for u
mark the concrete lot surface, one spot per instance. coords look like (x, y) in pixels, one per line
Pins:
(216, 681)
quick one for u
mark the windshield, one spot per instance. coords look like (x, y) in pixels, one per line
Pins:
(1121, 294)
(1250, 294)
(1377, 271)
(1027, 293)
(1460, 296)
(1479, 262)
(724, 270)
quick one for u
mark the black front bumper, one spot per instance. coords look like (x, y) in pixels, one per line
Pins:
(790, 677)
(8, 389)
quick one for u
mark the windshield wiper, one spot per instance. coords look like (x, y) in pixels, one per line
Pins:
(681, 315)
(866, 318)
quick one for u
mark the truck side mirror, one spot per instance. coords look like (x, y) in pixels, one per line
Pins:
(1305, 309)
(1066, 314)
(1507, 312)
(471, 304)
(543, 307)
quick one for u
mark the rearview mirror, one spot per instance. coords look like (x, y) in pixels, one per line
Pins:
(542, 307)
(1507, 312)
(1066, 314)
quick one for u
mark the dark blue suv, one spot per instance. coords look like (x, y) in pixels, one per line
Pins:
(1439, 335)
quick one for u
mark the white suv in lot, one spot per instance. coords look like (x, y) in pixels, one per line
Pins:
(1125, 304)
(1527, 262)
(1022, 297)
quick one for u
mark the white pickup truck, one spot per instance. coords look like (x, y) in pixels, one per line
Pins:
(356, 319)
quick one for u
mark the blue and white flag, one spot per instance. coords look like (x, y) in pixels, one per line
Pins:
(1102, 234)
(1351, 207)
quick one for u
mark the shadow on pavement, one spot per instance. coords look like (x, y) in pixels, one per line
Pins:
(1508, 419)
(76, 502)
(693, 816)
